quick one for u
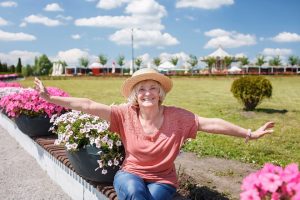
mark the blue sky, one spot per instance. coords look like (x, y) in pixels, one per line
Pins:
(70, 29)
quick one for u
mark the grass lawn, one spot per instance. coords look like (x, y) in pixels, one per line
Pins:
(211, 97)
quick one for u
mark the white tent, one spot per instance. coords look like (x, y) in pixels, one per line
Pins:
(95, 65)
(166, 66)
(234, 69)
(220, 52)
(57, 69)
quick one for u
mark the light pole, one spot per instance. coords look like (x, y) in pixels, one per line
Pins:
(132, 53)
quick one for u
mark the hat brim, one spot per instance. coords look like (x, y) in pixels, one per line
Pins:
(129, 83)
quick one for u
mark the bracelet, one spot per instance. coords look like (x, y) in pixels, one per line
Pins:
(249, 134)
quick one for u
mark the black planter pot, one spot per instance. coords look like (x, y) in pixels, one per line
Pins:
(33, 126)
(85, 162)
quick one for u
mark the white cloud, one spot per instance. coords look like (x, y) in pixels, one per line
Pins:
(182, 57)
(53, 7)
(228, 39)
(240, 55)
(277, 52)
(8, 4)
(144, 14)
(3, 22)
(143, 38)
(23, 24)
(8, 36)
(39, 19)
(287, 37)
(10, 58)
(76, 36)
(217, 33)
(64, 17)
(71, 56)
(111, 4)
(90, 0)
(203, 4)
(191, 18)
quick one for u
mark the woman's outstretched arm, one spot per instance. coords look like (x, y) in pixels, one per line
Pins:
(80, 104)
(220, 126)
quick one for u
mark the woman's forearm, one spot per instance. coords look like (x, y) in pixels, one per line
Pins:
(81, 104)
(220, 126)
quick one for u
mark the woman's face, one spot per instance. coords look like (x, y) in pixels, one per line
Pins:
(148, 93)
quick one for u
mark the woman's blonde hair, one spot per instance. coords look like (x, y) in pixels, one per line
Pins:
(132, 98)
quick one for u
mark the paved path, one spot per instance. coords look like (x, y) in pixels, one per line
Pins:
(20, 175)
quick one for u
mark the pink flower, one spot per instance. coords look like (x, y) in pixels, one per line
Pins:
(250, 195)
(270, 182)
(273, 182)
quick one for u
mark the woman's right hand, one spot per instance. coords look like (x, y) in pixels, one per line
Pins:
(41, 89)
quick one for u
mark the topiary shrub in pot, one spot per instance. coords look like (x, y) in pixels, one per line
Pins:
(251, 90)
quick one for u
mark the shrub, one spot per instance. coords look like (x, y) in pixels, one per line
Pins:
(251, 90)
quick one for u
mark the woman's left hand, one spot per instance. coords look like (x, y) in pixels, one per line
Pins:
(265, 129)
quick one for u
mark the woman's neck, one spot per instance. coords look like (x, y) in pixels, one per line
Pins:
(150, 113)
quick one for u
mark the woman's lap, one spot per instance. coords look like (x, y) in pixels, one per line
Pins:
(130, 186)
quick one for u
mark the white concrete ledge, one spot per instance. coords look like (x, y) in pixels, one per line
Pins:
(75, 186)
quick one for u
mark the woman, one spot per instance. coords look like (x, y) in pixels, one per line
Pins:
(152, 133)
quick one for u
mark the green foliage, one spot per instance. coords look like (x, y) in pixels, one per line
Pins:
(260, 60)
(276, 61)
(102, 59)
(138, 62)
(244, 61)
(293, 60)
(84, 61)
(26, 70)
(156, 61)
(228, 60)
(193, 61)
(12, 69)
(42, 65)
(210, 61)
(19, 66)
(251, 90)
(4, 67)
(121, 60)
(174, 60)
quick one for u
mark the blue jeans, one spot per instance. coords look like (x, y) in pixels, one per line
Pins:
(130, 186)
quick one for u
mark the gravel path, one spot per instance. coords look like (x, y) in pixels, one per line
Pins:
(20, 175)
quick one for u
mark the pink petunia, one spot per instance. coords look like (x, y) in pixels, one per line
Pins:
(250, 195)
(270, 182)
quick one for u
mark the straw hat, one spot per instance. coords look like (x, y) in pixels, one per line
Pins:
(145, 74)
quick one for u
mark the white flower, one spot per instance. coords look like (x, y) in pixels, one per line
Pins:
(116, 162)
(100, 163)
(119, 143)
(104, 171)
(109, 163)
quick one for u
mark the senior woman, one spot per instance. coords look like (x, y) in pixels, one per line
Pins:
(151, 132)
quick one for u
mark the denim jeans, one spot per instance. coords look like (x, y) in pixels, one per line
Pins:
(130, 186)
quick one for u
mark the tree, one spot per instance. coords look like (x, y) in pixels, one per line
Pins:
(12, 69)
(121, 62)
(174, 60)
(210, 61)
(276, 61)
(193, 61)
(103, 60)
(138, 62)
(42, 65)
(244, 61)
(27, 70)
(1, 68)
(260, 60)
(293, 60)
(156, 61)
(227, 61)
(84, 62)
(4, 67)
(19, 66)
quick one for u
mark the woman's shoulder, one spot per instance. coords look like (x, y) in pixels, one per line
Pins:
(124, 107)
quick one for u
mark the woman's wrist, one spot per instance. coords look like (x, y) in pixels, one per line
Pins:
(248, 136)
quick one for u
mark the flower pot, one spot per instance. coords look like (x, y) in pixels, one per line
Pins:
(85, 162)
(33, 126)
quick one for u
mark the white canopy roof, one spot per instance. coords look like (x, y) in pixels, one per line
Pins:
(234, 69)
(219, 53)
(166, 65)
(95, 65)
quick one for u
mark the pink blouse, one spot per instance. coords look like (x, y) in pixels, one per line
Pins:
(152, 156)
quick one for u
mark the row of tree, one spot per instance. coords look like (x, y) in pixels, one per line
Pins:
(43, 66)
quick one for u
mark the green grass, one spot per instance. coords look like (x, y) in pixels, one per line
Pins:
(211, 97)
